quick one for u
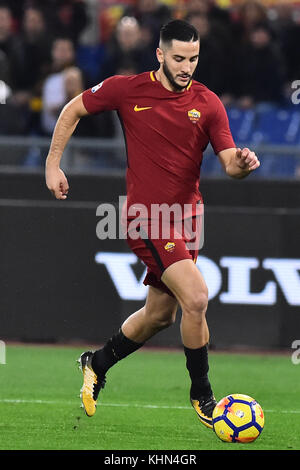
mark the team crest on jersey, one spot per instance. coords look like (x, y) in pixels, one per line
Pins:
(170, 246)
(194, 115)
(96, 87)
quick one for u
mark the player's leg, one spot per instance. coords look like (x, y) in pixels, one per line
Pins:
(184, 279)
(158, 313)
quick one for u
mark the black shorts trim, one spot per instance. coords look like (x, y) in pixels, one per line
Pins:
(152, 248)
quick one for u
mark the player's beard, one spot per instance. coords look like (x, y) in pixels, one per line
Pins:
(171, 79)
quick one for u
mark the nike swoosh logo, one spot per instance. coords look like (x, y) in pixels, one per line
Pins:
(136, 108)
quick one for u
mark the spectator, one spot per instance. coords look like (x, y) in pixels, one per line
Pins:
(261, 69)
(73, 82)
(211, 67)
(9, 45)
(63, 54)
(216, 15)
(125, 46)
(250, 14)
(288, 33)
(151, 13)
(17, 8)
(35, 46)
(110, 13)
(59, 88)
(34, 51)
(215, 61)
(196, 6)
(218, 19)
(54, 94)
(64, 82)
(66, 17)
(12, 118)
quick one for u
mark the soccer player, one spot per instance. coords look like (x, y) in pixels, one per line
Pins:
(168, 121)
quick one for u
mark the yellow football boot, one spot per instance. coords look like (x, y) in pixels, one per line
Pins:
(204, 407)
(92, 384)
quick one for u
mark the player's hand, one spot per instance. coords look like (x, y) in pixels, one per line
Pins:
(247, 160)
(57, 182)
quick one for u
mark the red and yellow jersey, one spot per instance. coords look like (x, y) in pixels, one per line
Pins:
(166, 134)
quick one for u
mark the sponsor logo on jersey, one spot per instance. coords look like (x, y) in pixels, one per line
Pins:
(170, 246)
(194, 115)
(137, 108)
(96, 87)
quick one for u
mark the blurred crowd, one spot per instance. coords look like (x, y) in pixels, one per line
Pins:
(51, 50)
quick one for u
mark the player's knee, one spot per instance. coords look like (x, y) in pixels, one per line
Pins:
(196, 305)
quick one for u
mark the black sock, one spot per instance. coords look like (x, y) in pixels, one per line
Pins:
(116, 348)
(197, 365)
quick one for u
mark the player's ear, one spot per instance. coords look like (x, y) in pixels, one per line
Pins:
(160, 55)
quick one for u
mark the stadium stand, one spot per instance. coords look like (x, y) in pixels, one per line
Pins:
(263, 28)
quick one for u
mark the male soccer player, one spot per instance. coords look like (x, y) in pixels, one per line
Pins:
(168, 121)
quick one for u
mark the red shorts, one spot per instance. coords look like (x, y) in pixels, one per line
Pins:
(159, 253)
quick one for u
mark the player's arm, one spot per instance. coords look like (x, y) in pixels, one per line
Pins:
(238, 163)
(56, 180)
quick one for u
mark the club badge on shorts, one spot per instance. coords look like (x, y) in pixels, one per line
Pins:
(170, 246)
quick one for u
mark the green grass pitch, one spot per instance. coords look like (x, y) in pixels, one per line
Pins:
(145, 404)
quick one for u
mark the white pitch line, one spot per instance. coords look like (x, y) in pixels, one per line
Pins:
(122, 405)
(125, 405)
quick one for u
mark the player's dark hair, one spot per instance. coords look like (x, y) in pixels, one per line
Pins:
(180, 30)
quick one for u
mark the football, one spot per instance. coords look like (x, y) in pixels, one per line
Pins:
(238, 418)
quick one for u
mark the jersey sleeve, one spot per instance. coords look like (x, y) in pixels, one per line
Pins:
(106, 96)
(219, 130)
